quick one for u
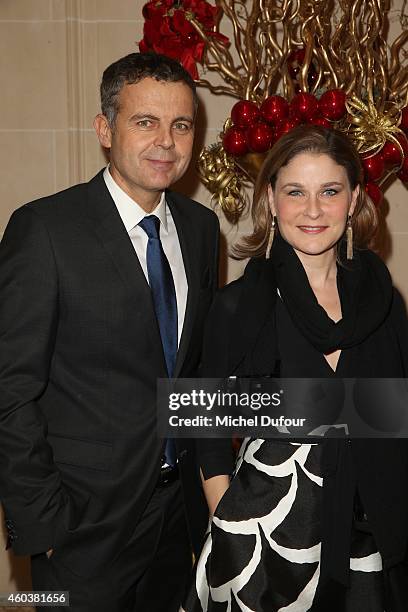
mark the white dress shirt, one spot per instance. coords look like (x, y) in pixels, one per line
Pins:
(131, 214)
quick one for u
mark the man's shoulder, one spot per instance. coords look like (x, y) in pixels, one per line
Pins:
(57, 203)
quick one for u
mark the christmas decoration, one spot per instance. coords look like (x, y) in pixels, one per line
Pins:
(260, 137)
(171, 28)
(374, 192)
(374, 167)
(274, 109)
(305, 106)
(292, 63)
(235, 141)
(332, 104)
(244, 113)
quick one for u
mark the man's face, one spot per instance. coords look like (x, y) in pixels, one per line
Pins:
(152, 139)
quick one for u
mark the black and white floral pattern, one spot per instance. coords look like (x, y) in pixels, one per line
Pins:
(262, 549)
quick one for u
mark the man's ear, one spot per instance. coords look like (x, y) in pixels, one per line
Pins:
(354, 196)
(271, 201)
(103, 131)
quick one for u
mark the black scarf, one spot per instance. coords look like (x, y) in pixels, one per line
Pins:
(365, 288)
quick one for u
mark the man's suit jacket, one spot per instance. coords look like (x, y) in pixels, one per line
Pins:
(80, 353)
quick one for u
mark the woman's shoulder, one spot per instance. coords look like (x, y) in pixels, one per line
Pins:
(228, 297)
(374, 260)
(398, 306)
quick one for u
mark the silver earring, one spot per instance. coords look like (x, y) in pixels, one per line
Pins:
(271, 237)
(349, 233)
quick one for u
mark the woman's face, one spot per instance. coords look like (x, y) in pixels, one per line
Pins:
(311, 201)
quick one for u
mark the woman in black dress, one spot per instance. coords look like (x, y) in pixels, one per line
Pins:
(322, 525)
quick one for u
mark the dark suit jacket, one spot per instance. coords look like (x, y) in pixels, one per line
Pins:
(80, 352)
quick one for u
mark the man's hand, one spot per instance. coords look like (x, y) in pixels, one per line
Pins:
(49, 552)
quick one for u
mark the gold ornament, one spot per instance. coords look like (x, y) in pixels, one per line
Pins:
(370, 127)
(218, 173)
(250, 164)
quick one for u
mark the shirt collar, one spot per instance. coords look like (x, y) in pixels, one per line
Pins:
(130, 212)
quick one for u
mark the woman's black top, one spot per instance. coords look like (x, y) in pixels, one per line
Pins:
(250, 329)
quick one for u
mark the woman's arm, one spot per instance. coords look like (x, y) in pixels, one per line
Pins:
(216, 457)
(214, 489)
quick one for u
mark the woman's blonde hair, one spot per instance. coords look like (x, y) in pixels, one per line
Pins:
(308, 139)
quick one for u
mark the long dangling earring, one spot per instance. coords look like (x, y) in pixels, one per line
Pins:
(271, 236)
(349, 233)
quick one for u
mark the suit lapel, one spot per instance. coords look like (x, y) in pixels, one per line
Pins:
(186, 232)
(108, 226)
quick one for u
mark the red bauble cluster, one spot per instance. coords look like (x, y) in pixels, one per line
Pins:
(390, 157)
(257, 129)
(374, 192)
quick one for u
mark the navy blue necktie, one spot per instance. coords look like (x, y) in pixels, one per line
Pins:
(165, 304)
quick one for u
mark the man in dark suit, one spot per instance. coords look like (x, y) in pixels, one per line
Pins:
(104, 289)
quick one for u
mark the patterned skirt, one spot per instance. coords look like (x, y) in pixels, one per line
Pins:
(262, 549)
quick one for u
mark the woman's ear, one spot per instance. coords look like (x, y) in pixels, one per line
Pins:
(271, 201)
(354, 197)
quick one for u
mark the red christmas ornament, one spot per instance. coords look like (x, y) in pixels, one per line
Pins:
(306, 105)
(260, 137)
(404, 119)
(311, 77)
(294, 115)
(403, 140)
(244, 113)
(295, 61)
(403, 173)
(285, 126)
(374, 192)
(234, 141)
(391, 154)
(274, 108)
(321, 121)
(374, 167)
(332, 104)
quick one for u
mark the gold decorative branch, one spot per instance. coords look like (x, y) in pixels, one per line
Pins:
(287, 47)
